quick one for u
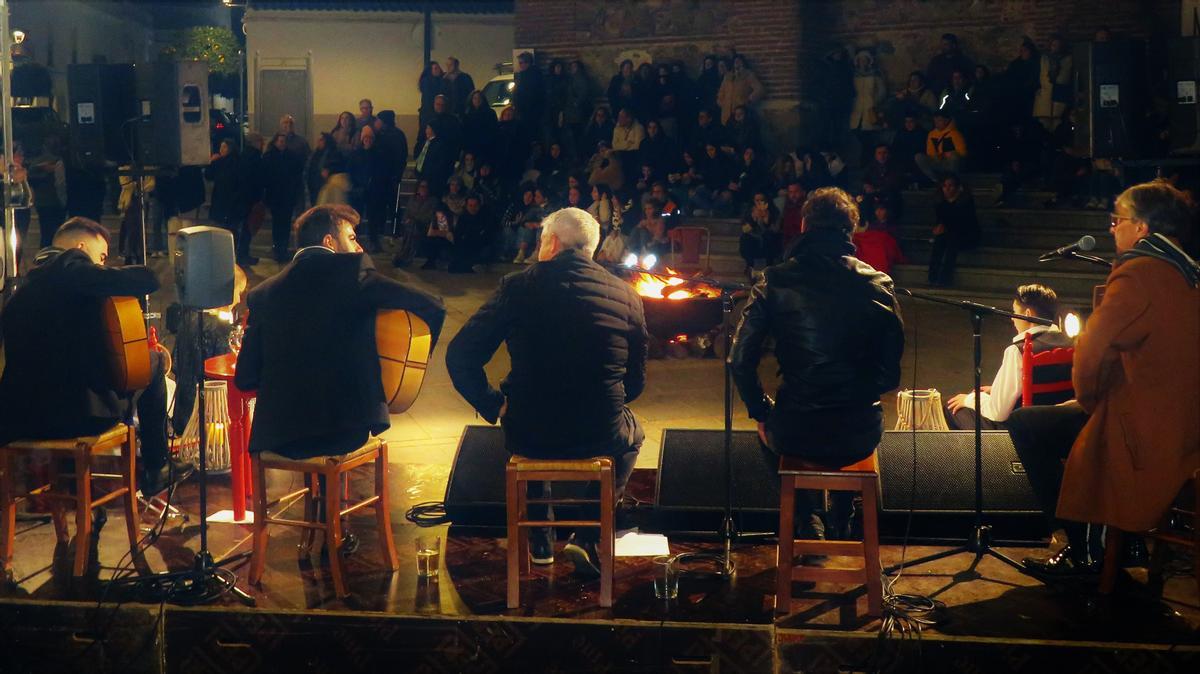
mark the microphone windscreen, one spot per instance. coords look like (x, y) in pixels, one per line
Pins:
(1087, 242)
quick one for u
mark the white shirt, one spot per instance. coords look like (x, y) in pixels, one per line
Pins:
(1006, 387)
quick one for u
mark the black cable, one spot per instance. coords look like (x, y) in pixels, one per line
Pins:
(428, 514)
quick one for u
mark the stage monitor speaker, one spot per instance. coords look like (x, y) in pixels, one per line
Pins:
(945, 474)
(1183, 74)
(690, 490)
(1110, 98)
(204, 267)
(173, 105)
(102, 109)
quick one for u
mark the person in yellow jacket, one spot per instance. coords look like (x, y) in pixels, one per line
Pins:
(739, 87)
(945, 148)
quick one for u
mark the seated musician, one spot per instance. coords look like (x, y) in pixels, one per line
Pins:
(1133, 437)
(309, 348)
(577, 340)
(1004, 395)
(838, 338)
(56, 383)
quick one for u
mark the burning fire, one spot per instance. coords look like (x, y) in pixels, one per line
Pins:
(657, 286)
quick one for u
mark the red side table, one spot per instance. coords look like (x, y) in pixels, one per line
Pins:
(224, 367)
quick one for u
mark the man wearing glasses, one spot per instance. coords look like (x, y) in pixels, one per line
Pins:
(1132, 436)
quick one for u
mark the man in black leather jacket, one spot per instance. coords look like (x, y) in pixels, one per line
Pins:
(838, 338)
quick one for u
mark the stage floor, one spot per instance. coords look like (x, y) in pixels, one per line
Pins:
(989, 605)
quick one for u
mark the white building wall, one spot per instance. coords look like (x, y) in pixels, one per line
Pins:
(376, 55)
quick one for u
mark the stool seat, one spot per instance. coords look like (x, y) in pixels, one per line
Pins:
(795, 464)
(527, 464)
(370, 446)
(111, 437)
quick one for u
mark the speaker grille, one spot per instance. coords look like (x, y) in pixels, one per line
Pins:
(945, 473)
(691, 472)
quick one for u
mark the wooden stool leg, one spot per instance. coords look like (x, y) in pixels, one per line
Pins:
(333, 531)
(871, 546)
(383, 517)
(787, 534)
(1112, 559)
(83, 509)
(8, 513)
(308, 535)
(607, 535)
(129, 478)
(522, 532)
(514, 548)
(258, 555)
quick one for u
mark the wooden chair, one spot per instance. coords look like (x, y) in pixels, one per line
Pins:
(522, 470)
(83, 450)
(1163, 535)
(862, 477)
(1045, 376)
(691, 249)
(333, 468)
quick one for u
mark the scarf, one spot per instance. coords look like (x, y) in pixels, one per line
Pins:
(831, 243)
(1161, 248)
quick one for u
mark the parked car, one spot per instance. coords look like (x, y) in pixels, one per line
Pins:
(499, 90)
(222, 125)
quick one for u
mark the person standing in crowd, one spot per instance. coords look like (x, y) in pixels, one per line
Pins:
(915, 99)
(418, 216)
(222, 170)
(1132, 438)
(1022, 79)
(945, 148)
(296, 144)
(530, 97)
(394, 146)
(956, 229)
(431, 84)
(556, 101)
(448, 126)
(314, 170)
(280, 171)
(835, 323)
(372, 176)
(577, 339)
(508, 155)
(834, 88)
(48, 180)
(620, 87)
(345, 134)
(337, 187)
(435, 162)
(876, 245)
(576, 108)
(627, 140)
(740, 87)
(708, 83)
(458, 86)
(1056, 77)
(251, 183)
(366, 115)
(945, 62)
(479, 126)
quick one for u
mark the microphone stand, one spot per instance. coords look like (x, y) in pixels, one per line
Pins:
(980, 539)
(1072, 255)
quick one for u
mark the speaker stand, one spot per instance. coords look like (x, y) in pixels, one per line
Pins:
(979, 541)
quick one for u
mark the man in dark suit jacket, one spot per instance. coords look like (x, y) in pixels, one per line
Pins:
(577, 338)
(56, 382)
(309, 347)
(435, 160)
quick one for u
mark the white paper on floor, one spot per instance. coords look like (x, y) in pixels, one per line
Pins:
(226, 517)
(632, 543)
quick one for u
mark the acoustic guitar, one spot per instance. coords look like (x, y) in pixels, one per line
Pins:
(403, 343)
(127, 344)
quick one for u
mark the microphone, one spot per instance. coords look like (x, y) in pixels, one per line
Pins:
(1085, 243)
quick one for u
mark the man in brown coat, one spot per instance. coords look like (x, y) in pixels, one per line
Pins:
(1137, 384)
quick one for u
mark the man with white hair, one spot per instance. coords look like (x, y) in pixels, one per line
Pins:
(576, 336)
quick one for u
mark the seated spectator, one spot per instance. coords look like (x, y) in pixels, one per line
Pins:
(671, 210)
(650, 235)
(945, 149)
(916, 99)
(474, 232)
(553, 169)
(314, 177)
(627, 141)
(605, 208)
(543, 198)
(875, 245)
(605, 168)
(488, 186)
(886, 178)
(668, 104)
(455, 198)
(872, 198)
(439, 238)
(514, 217)
(956, 228)
(790, 218)
(712, 195)
(813, 170)
(467, 171)
(418, 216)
(612, 248)
(1021, 154)
(783, 173)
(658, 150)
(750, 177)
(883, 218)
(909, 142)
(761, 236)
(528, 235)
(742, 132)
(645, 181)
(945, 62)
(599, 128)
(708, 130)
(956, 98)
(576, 199)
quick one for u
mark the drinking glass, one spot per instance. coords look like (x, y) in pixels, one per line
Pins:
(428, 550)
(666, 578)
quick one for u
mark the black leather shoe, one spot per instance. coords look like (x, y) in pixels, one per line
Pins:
(1063, 563)
(541, 546)
(584, 557)
(154, 482)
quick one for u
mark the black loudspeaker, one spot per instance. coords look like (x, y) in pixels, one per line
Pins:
(1183, 74)
(690, 491)
(1110, 98)
(173, 104)
(945, 474)
(204, 267)
(101, 111)
(475, 490)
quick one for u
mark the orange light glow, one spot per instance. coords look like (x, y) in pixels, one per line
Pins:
(653, 286)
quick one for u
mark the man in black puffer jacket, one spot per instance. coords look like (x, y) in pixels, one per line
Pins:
(577, 339)
(838, 337)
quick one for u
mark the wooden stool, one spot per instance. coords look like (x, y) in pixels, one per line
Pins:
(521, 470)
(83, 450)
(1163, 535)
(862, 477)
(333, 468)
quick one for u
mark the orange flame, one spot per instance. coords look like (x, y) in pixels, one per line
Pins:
(653, 286)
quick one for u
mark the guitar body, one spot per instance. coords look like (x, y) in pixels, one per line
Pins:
(128, 347)
(403, 343)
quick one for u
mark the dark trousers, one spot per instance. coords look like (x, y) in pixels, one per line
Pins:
(433, 247)
(281, 226)
(1042, 436)
(943, 260)
(49, 218)
(964, 420)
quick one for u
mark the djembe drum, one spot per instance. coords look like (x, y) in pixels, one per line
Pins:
(920, 410)
(216, 417)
